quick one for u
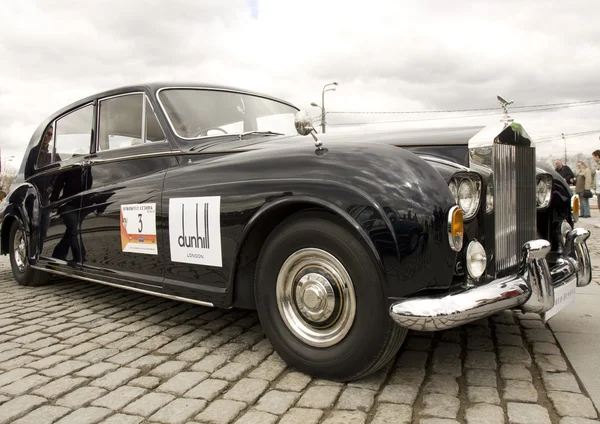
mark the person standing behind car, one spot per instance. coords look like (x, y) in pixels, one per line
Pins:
(583, 186)
(565, 172)
(596, 156)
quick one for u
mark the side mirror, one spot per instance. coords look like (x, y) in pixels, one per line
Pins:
(304, 126)
(303, 123)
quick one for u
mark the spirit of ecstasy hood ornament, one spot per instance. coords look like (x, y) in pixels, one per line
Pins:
(506, 119)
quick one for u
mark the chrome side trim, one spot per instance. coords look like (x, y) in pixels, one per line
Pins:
(444, 162)
(144, 124)
(134, 289)
(131, 157)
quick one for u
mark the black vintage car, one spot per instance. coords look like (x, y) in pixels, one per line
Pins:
(342, 242)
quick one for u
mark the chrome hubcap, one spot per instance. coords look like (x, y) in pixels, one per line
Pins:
(19, 251)
(315, 297)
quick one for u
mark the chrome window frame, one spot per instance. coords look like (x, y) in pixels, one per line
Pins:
(201, 88)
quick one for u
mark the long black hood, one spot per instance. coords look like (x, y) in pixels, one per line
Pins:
(446, 143)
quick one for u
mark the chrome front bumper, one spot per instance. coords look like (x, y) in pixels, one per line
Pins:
(531, 289)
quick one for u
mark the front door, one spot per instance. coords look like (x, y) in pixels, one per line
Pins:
(122, 206)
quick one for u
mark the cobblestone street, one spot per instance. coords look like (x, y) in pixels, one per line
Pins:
(77, 352)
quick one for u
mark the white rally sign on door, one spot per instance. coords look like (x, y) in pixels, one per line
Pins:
(138, 228)
(195, 230)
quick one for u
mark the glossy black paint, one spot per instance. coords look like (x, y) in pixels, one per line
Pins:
(355, 181)
(396, 202)
(368, 184)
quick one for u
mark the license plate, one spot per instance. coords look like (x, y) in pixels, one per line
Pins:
(563, 296)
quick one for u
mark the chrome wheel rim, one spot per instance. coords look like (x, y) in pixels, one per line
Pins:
(20, 255)
(315, 297)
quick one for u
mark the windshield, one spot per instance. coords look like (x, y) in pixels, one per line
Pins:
(196, 113)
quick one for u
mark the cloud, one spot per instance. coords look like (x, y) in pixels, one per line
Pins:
(386, 55)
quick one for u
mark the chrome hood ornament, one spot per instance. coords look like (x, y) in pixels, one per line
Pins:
(506, 119)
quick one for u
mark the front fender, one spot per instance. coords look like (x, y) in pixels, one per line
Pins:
(397, 201)
(349, 204)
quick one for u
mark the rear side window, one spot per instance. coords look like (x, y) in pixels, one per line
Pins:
(69, 136)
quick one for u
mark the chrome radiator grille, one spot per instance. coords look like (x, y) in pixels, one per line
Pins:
(515, 204)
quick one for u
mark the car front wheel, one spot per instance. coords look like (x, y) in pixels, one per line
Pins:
(22, 271)
(322, 302)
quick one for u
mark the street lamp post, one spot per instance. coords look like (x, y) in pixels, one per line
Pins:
(323, 103)
(565, 141)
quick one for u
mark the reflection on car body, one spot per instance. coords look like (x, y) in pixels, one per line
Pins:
(342, 242)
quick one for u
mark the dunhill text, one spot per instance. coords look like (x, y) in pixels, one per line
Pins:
(198, 241)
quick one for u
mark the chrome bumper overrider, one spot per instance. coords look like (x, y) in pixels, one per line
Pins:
(531, 289)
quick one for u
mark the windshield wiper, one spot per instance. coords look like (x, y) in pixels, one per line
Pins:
(239, 136)
(259, 133)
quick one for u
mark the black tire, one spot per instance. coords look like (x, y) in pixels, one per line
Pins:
(26, 276)
(373, 339)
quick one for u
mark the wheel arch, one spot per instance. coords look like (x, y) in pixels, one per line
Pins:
(23, 206)
(7, 223)
(260, 226)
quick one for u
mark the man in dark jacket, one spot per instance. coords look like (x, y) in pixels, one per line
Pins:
(565, 172)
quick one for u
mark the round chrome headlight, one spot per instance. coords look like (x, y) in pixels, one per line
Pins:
(489, 197)
(453, 190)
(543, 192)
(467, 198)
(476, 259)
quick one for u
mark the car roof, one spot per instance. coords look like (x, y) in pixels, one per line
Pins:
(154, 86)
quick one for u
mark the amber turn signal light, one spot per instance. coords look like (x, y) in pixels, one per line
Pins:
(575, 205)
(455, 228)
(457, 223)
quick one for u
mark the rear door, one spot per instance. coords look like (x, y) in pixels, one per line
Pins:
(60, 179)
(121, 208)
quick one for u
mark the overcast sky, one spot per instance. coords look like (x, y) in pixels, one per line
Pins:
(385, 55)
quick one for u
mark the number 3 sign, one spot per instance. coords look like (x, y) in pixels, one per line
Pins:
(138, 228)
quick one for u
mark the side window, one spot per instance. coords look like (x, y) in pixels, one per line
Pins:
(124, 123)
(73, 134)
(120, 122)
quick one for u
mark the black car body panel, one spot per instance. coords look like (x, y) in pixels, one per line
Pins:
(390, 188)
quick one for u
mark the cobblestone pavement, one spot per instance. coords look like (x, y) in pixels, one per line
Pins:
(76, 352)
